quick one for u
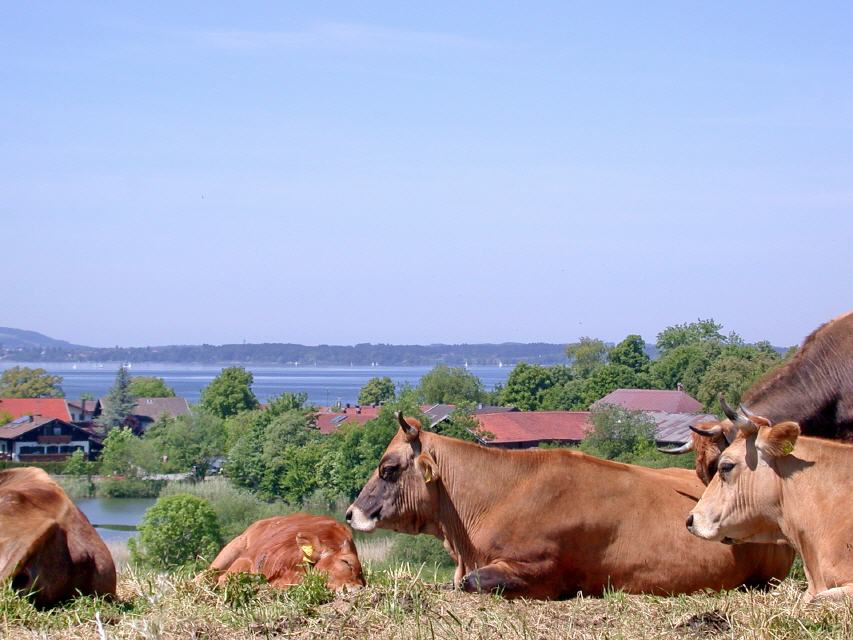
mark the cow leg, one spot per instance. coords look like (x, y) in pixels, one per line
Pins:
(493, 577)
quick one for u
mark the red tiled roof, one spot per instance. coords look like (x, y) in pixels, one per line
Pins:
(535, 426)
(46, 407)
(652, 400)
(328, 422)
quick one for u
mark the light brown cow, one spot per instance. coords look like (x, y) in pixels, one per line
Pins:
(814, 388)
(773, 486)
(552, 523)
(283, 547)
(46, 543)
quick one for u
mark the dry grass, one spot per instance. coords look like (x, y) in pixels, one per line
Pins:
(403, 604)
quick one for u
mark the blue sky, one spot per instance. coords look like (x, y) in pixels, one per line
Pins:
(353, 172)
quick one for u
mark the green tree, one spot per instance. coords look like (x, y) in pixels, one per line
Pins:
(5, 417)
(586, 356)
(76, 464)
(527, 385)
(701, 331)
(118, 403)
(286, 401)
(619, 434)
(461, 424)
(178, 531)
(377, 391)
(733, 372)
(609, 378)
(686, 363)
(188, 442)
(229, 393)
(124, 454)
(149, 387)
(450, 385)
(24, 382)
(631, 353)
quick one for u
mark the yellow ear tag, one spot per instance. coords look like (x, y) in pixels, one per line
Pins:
(787, 448)
(427, 475)
(307, 552)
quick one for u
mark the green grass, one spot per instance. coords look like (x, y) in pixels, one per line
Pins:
(414, 603)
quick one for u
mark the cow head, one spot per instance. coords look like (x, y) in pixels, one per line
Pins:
(340, 563)
(401, 493)
(743, 501)
(709, 440)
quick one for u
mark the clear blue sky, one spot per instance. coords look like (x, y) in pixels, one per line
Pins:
(444, 172)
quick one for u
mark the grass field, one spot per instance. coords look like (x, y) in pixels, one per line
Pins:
(410, 603)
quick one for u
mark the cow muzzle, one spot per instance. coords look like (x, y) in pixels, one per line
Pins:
(358, 520)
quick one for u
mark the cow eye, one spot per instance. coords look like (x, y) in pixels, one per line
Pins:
(389, 471)
(725, 467)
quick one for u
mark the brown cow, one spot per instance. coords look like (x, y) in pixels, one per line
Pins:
(281, 548)
(773, 486)
(552, 523)
(46, 543)
(814, 388)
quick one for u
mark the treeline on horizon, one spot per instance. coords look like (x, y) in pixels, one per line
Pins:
(321, 355)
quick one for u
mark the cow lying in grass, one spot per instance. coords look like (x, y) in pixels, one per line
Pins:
(546, 524)
(773, 486)
(282, 548)
(47, 545)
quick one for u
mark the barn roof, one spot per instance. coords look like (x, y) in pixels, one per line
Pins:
(534, 426)
(669, 401)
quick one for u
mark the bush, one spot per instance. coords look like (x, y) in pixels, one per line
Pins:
(235, 508)
(178, 531)
(129, 488)
(418, 550)
(619, 434)
(53, 468)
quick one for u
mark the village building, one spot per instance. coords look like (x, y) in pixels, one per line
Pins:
(39, 438)
(44, 407)
(525, 429)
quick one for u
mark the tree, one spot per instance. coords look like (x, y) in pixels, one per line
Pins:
(124, 454)
(5, 417)
(178, 531)
(76, 464)
(24, 382)
(701, 331)
(149, 387)
(619, 434)
(119, 403)
(733, 372)
(631, 353)
(450, 385)
(586, 356)
(377, 391)
(528, 384)
(188, 442)
(229, 393)
(461, 424)
(686, 363)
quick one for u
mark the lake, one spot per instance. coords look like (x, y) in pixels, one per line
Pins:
(324, 385)
(121, 512)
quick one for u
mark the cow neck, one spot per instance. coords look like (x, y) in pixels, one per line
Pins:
(802, 492)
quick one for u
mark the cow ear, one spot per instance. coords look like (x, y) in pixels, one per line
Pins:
(427, 466)
(310, 546)
(778, 440)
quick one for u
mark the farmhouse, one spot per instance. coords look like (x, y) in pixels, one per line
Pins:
(84, 410)
(147, 410)
(660, 400)
(523, 429)
(39, 438)
(43, 407)
(328, 421)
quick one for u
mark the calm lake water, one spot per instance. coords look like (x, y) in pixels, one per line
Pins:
(106, 512)
(324, 385)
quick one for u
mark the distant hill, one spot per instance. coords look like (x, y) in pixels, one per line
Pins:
(21, 339)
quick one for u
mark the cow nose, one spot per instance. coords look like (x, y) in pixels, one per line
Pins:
(348, 516)
(690, 521)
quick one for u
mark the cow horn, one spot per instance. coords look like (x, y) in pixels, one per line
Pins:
(731, 414)
(710, 432)
(410, 431)
(745, 411)
(687, 446)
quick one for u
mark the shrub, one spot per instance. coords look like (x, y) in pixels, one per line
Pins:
(130, 488)
(178, 531)
(76, 464)
(418, 550)
(235, 508)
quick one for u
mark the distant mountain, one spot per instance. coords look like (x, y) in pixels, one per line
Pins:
(21, 339)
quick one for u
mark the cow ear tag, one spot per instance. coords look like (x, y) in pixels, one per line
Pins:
(307, 553)
(427, 474)
(787, 448)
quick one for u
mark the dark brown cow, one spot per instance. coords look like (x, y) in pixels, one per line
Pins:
(552, 523)
(46, 543)
(814, 388)
(282, 548)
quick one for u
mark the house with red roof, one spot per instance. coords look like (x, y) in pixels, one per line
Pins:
(39, 438)
(328, 421)
(44, 407)
(663, 400)
(524, 429)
